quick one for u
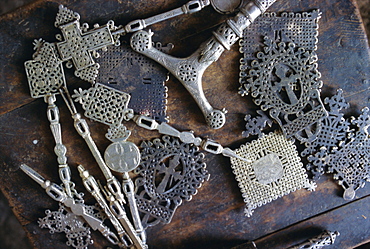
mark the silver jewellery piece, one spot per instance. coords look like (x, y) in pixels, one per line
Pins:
(57, 193)
(298, 28)
(350, 162)
(83, 130)
(104, 104)
(78, 45)
(60, 149)
(226, 7)
(114, 211)
(109, 106)
(188, 8)
(185, 137)
(333, 134)
(170, 172)
(131, 72)
(255, 125)
(326, 238)
(274, 170)
(77, 233)
(285, 81)
(189, 71)
(45, 73)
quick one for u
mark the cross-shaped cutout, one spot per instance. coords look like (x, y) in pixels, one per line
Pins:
(78, 46)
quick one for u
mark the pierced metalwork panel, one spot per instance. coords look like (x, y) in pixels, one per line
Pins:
(334, 132)
(285, 80)
(78, 44)
(298, 28)
(275, 170)
(351, 163)
(45, 73)
(128, 71)
(170, 172)
(77, 231)
(104, 104)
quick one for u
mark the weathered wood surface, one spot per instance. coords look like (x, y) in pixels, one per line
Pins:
(214, 218)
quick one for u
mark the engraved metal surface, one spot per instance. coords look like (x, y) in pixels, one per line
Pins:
(189, 71)
(122, 156)
(170, 172)
(128, 71)
(226, 7)
(275, 170)
(285, 81)
(45, 73)
(104, 104)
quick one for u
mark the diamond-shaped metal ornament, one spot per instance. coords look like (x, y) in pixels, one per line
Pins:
(104, 104)
(128, 71)
(170, 172)
(45, 73)
(275, 170)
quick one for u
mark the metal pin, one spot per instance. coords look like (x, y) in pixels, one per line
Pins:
(82, 128)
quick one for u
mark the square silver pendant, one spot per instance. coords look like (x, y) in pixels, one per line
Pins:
(275, 170)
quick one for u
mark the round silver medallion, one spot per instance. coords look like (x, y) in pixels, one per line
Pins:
(122, 156)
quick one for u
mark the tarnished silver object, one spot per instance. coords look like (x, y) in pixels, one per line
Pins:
(128, 71)
(110, 106)
(77, 232)
(333, 133)
(188, 8)
(45, 72)
(274, 170)
(170, 172)
(78, 44)
(326, 238)
(285, 81)
(189, 71)
(83, 130)
(114, 211)
(76, 207)
(186, 137)
(350, 161)
(226, 7)
(255, 125)
(298, 28)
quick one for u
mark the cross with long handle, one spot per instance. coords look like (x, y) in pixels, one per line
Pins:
(189, 71)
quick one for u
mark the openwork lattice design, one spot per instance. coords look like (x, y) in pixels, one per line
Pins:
(264, 4)
(275, 170)
(128, 71)
(285, 81)
(333, 133)
(78, 44)
(45, 72)
(255, 125)
(169, 172)
(350, 162)
(104, 104)
(77, 231)
(298, 28)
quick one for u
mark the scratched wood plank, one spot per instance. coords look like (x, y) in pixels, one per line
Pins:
(214, 218)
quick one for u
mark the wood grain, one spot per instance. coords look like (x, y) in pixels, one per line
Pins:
(214, 218)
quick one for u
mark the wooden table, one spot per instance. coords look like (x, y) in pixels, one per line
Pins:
(214, 218)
